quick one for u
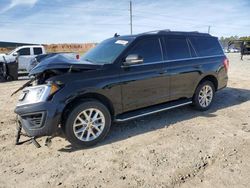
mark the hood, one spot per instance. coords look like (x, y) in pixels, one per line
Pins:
(62, 61)
(1, 57)
(8, 58)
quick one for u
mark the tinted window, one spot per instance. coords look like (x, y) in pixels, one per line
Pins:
(24, 51)
(148, 49)
(177, 48)
(206, 46)
(38, 51)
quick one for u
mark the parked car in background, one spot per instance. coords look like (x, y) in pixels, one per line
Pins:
(234, 50)
(23, 55)
(122, 78)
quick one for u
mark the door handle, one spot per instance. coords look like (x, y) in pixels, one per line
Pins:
(163, 72)
(197, 66)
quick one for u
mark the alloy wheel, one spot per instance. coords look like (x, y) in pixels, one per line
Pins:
(89, 124)
(205, 96)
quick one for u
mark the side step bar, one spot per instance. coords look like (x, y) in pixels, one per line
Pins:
(151, 110)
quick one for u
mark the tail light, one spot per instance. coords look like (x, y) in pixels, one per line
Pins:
(226, 64)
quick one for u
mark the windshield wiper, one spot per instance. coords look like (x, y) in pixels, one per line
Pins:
(89, 60)
(95, 62)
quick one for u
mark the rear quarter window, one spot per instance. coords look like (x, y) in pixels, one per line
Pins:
(206, 46)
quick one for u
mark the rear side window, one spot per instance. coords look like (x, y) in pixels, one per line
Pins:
(38, 51)
(24, 51)
(148, 49)
(206, 46)
(177, 48)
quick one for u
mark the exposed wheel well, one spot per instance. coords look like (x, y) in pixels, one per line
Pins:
(211, 78)
(104, 100)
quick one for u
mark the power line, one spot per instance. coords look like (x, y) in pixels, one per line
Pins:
(81, 7)
(162, 16)
(57, 23)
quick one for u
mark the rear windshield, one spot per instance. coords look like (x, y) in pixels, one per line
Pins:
(206, 46)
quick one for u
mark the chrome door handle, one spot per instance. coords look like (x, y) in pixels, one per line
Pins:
(163, 72)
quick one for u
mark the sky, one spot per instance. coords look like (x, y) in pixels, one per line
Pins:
(80, 21)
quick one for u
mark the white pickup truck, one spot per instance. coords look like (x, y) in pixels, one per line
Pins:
(24, 55)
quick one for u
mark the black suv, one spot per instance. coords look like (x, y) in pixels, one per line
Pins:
(122, 78)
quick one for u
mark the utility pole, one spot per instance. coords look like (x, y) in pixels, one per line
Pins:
(208, 29)
(131, 23)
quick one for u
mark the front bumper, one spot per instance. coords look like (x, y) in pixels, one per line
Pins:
(41, 119)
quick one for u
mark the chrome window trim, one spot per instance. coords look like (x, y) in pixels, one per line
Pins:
(159, 39)
(190, 54)
(167, 61)
(192, 47)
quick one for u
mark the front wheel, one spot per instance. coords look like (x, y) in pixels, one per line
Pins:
(3, 72)
(204, 95)
(87, 124)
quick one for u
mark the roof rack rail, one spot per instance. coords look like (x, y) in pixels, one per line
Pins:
(157, 31)
(168, 31)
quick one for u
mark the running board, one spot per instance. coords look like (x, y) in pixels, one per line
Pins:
(151, 110)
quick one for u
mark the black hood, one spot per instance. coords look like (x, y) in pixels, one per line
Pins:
(62, 61)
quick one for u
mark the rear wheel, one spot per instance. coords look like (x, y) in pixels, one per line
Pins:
(87, 124)
(204, 95)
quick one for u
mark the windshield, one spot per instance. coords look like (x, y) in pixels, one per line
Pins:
(107, 51)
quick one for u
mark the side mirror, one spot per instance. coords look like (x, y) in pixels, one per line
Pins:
(15, 54)
(133, 59)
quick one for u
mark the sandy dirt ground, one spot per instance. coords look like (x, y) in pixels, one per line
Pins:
(177, 148)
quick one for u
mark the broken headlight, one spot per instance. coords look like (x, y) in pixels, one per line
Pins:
(36, 94)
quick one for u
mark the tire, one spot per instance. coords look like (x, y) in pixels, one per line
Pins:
(80, 130)
(9, 78)
(204, 95)
(1, 72)
(4, 71)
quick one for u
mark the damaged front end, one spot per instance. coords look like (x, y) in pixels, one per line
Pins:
(38, 111)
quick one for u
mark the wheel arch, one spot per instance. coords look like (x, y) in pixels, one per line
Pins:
(210, 78)
(86, 97)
